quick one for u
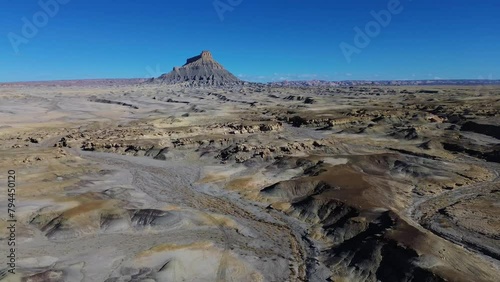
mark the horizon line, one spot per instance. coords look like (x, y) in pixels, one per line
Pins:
(277, 81)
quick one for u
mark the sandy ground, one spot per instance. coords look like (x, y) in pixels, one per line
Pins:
(157, 183)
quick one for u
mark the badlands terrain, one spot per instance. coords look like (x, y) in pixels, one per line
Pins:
(157, 182)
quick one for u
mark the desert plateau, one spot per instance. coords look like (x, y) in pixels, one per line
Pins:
(197, 176)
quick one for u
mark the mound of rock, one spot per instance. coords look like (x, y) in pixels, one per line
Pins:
(198, 71)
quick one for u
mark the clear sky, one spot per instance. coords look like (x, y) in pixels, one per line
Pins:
(255, 39)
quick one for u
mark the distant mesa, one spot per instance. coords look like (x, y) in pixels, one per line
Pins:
(199, 71)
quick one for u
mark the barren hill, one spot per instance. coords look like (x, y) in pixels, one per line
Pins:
(199, 70)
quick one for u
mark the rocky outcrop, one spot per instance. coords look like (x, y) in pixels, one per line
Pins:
(198, 71)
(106, 101)
(485, 129)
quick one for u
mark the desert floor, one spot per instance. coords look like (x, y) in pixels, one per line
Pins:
(163, 183)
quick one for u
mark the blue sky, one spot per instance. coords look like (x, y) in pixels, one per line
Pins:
(255, 39)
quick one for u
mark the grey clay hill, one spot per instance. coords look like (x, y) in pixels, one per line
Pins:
(198, 71)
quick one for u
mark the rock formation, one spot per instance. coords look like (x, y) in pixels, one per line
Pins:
(198, 71)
